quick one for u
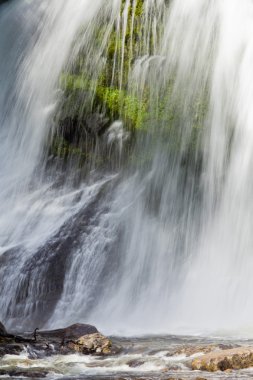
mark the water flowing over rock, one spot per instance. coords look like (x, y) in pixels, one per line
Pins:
(126, 160)
(81, 338)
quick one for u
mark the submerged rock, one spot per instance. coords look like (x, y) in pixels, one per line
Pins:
(92, 344)
(236, 358)
(193, 349)
(135, 363)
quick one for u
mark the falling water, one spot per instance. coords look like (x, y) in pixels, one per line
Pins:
(164, 244)
(35, 45)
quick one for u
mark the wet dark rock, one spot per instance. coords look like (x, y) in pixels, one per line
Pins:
(3, 332)
(8, 344)
(72, 332)
(48, 265)
(23, 373)
(79, 337)
(74, 130)
(51, 260)
(135, 363)
(97, 123)
(69, 129)
(10, 349)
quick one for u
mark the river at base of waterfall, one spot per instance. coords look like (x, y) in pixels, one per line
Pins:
(153, 357)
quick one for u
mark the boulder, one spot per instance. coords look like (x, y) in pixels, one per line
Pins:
(73, 332)
(236, 358)
(91, 344)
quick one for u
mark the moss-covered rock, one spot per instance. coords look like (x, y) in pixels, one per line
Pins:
(100, 82)
(93, 99)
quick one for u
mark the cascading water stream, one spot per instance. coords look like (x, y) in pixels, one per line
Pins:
(164, 246)
(32, 210)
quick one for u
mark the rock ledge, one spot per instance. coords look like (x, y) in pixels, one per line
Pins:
(81, 338)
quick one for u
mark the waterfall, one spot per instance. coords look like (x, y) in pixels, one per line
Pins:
(162, 244)
(36, 43)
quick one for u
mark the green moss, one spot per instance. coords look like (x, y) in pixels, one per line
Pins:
(73, 82)
(118, 103)
(123, 105)
(109, 90)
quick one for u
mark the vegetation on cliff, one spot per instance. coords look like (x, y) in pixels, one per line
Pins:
(111, 78)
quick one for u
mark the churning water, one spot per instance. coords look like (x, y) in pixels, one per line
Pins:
(165, 246)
